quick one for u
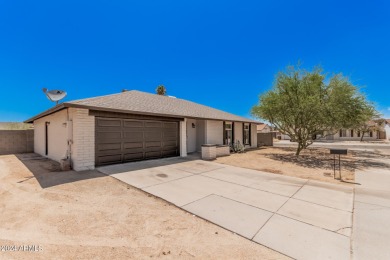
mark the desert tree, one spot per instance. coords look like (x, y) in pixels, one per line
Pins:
(304, 104)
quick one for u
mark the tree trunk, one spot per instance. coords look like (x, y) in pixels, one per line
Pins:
(299, 149)
(361, 139)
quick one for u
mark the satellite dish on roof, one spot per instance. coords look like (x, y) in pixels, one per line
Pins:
(54, 95)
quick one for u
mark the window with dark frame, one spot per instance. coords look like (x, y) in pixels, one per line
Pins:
(351, 133)
(246, 134)
(371, 134)
(228, 133)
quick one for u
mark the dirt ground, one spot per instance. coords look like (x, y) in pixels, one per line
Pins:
(70, 215)
(313, 163)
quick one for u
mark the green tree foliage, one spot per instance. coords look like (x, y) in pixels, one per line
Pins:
(161, 90)
(303, 104)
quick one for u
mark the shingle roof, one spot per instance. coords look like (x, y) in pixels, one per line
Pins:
(261, 126)
(146, 103)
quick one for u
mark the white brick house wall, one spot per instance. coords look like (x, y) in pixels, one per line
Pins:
(214, 132)
(387, 130)
(57, 135)
(83, 146)
(238, 135)
(82, 136)
(253, 135)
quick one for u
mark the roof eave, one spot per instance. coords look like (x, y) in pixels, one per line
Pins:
(65, 105)
(46, 113)
(154, 114)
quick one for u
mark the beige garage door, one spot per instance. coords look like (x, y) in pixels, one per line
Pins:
(124, 140)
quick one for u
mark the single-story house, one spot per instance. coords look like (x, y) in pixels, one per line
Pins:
(377, 133)
(284, 137)
(351, 135)
(346, 135)
(132, 126)
(387, 129)
(264, 128)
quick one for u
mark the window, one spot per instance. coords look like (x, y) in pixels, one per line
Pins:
(371, 134)
(343, 133)
(246, 134)
(351, 133)
(228, 133)
(358, 133)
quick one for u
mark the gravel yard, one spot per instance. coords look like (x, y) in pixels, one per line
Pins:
(313, 163)
(83, 215)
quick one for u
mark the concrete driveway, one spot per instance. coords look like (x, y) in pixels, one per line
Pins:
(299, 218)
(371, 230)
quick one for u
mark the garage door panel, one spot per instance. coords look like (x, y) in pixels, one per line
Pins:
(132, 145)
(128, 157)
(124, 140)
(110, 153)
(171, 125)
(153, 124)
(109, 122)
(153, 136)
(134, 150)
(109, 159)
(170, 148)
(133, 123)
(169, 153)
(170, 132)
(169, 143)
(152, 129)
(153, 144)
(109, 135)
(133, 135)
(173, 147)
(131, 130)
(169, 139)
(152, 149)
(153, 154)
(170, 135)
(109, 146)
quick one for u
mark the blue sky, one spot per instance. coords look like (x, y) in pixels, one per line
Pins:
(218, 53)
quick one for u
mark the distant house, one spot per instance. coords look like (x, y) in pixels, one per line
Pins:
(355, 135)
(284, 137)
(264, 128)
(134, 126)
(382, 133)
(387, 129)
(351, 135)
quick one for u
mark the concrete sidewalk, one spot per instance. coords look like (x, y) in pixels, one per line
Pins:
(299, 218)
(371, 229)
